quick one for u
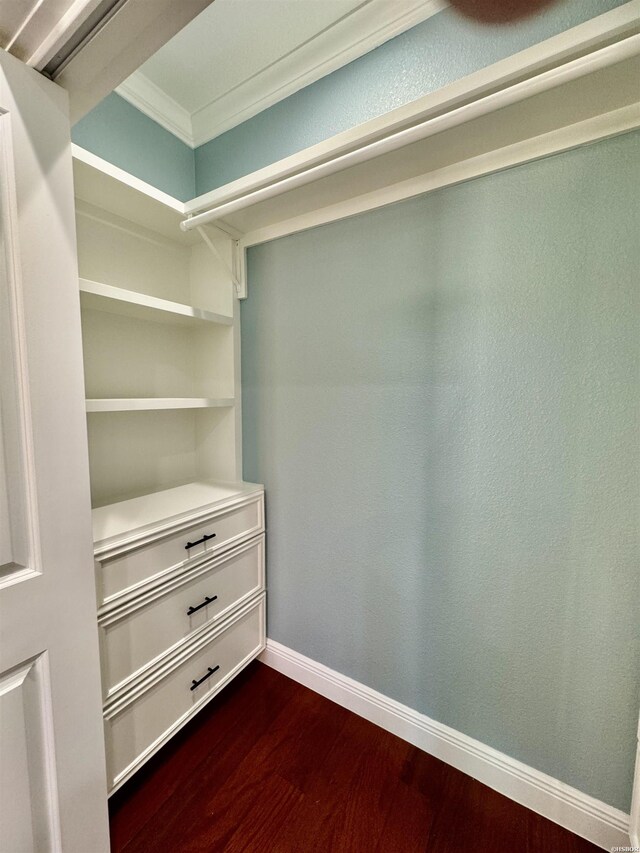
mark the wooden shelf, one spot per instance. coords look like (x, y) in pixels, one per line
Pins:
(142, 513)
(129, 303)
(568, 91)
(145, 404)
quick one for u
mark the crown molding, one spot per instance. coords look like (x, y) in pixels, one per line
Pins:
(356, 34)
(349, 38)
(154, 102)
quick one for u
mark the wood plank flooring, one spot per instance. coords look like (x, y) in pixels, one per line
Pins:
(271, 767)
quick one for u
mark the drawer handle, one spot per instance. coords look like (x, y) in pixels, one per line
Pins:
(210, 672)
(206, 601)
(205, 538)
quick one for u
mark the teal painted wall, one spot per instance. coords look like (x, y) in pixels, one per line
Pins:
(442, 49)
(122, 135)
(441, 399)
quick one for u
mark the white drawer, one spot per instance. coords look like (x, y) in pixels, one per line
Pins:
(136, 727)
(133, 564)
(137, 631)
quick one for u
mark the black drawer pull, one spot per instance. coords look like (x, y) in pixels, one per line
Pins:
(206, 601)
(205, 538)
(210, 672)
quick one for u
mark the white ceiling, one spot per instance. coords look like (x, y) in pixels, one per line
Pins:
(232, 41)
(240, 56)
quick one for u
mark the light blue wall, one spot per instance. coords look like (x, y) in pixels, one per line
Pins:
(441, 399)
(124, 136)
(444, 48)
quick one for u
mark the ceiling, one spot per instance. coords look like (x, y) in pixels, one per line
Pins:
(239, 57)
(90, 46)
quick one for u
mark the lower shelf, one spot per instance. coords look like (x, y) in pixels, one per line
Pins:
(130, 518)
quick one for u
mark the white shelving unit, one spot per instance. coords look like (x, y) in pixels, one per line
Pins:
(179, 550)
(160, 339)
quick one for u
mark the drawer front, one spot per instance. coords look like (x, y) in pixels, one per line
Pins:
(137, 565)
(134, 732)
(136, 633)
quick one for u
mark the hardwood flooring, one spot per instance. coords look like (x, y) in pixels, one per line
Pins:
(271, 767)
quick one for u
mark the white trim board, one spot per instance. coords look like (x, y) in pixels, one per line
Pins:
(590, 130)
(592, 819)
(365, 28)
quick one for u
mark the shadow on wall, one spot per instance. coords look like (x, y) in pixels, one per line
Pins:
(439, 398)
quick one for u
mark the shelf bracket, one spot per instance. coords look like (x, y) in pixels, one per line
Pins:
(240, 268)
(232, 270)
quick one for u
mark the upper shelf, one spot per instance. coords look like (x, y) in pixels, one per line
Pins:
(146, 404)
(104, 185)
(572, 89)
(129, 303)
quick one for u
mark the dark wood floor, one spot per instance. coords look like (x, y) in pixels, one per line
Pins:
(271, 767)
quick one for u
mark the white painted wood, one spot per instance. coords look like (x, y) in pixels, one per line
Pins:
(160, 377)
(127, 303)
(578, 41)
(139, 723)
(26, 776)
(136, 632)
(581, 88)
(132, 454)
(142, 404)
(142, 518)
(51, 740)
(167, 366)
(120, 253)
(592, 819)
(97, 180)
(134, 562)
(160, 394)
(33, 30)
(582, 133)
(223, 87)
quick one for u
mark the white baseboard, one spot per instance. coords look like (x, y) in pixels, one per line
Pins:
(584, 815)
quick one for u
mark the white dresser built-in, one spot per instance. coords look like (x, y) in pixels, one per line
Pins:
(178, 537)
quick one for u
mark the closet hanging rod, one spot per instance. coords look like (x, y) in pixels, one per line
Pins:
(582, 66)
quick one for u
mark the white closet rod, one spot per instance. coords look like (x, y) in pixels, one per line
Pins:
(573, 70)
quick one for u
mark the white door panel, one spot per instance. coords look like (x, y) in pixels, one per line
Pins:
(52, 771)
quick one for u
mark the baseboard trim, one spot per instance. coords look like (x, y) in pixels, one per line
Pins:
(584, 815)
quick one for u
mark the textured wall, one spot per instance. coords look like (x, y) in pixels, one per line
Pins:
(442, 49)
(441, 398)
(124, 136)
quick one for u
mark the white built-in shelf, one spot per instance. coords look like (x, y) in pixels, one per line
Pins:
(569, 90)
(146, 404)
(129, 303)
(143, 513)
